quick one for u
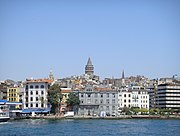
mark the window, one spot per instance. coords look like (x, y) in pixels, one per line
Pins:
(31, 92)
(107, 107)
(113, 101)
(96, 101)
(26, 105)
(107, 101)
(89, 95)
(42, 92)
(31, 99)
(36, 98)
(36, 92)
(42, 86)
(26, 87)
(129, 105)
(101, 107)
(31, 105)
(124, 95)
(36, 105)
(129, 101)
(124, 100)
(113, 107)
(26, 100)
(129, 95)
(36, 86)
(101, 95)
(31, 86)
(107, 95)
(42, 105)
(101, 101)
(114, 95)
(89, 101)
(26, 92)
(82, 95)
(82, 101)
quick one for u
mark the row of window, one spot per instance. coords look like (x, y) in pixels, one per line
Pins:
(107, 108)
(37, 105)
(12, 95)
(37, 98)
(36, 86)
(101, 101)
(37, 92)
(101, 95)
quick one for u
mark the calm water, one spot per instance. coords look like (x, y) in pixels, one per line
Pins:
(72, 127)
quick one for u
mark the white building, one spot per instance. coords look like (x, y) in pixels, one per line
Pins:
(140, 99)
(168, 96)
(35, 93)
(133, 98)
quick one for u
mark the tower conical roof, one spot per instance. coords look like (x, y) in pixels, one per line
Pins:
(123, 74)
(89, 63)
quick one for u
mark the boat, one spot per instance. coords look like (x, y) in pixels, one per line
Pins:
(4, 113)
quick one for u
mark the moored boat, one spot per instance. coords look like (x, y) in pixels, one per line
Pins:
(4, 113)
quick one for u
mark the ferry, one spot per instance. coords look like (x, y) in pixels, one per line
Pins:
(4, 113)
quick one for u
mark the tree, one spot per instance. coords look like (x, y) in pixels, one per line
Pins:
(72, 101)
(55, 98)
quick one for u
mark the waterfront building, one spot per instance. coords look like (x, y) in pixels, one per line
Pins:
(15, 94)
(35, 92)
(168, 96)
(93, 101)
(134, 97)
(65, 92)
(140, 98)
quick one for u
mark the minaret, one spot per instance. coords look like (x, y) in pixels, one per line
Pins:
(89, 69)
(51, 75)
(123, 74)
(123, 80)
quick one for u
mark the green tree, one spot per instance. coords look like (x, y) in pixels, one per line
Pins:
(55, 98)
(73, 101)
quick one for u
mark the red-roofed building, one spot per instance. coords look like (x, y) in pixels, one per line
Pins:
(35, 93)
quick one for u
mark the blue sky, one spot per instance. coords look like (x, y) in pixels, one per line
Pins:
(141, 37)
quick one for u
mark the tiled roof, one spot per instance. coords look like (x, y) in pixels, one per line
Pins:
(66, 91)
(38, 81)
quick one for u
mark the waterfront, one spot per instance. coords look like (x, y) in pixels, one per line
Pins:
(70, 127)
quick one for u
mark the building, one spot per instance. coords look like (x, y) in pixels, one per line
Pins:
(65, 92)
(93, 101)
(168, 96)
(89, 69)
(15, 94)
(35, 92)
(138, 98)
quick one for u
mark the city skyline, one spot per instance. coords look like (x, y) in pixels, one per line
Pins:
(141, 38)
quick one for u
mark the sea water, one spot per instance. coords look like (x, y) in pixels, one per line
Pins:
(90, 127)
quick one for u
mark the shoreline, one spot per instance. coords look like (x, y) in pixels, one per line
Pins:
(106, 118)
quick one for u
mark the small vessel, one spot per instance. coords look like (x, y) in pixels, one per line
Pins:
(4, 113)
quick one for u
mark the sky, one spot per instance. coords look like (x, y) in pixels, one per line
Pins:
(140, 37)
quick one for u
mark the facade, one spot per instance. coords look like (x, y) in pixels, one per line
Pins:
(89, 69)
(138, 98)
(168, 96)
(15, 94)
(65, 92)
(35, 93)
(95, 101)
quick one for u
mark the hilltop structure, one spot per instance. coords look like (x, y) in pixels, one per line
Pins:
(89, 69)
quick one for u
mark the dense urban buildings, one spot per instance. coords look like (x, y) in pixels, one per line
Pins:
(109, 96)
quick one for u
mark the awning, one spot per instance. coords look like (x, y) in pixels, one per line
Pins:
(28, 111)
